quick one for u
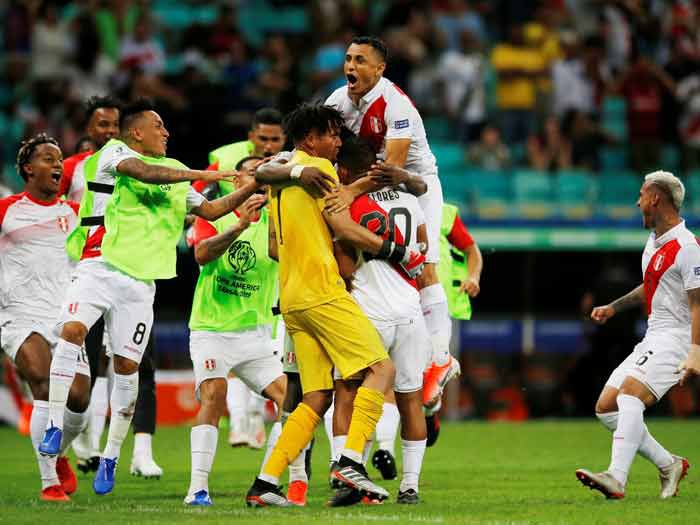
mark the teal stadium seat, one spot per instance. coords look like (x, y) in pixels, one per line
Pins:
(614, 118)
(613, 158)
(457, 187)
(437, 128)
(692, 193)
(532, 194)
(575, 193)
(491, 192)
(618, 194)
(670, 158)
(449, 155)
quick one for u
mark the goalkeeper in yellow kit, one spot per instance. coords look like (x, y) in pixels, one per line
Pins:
(326, 325)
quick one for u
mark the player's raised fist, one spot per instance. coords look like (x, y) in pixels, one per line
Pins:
(691, 366)
(601, 314)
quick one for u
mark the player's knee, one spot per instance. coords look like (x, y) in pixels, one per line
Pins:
(125, 366)
(39, 387)
(78, 401)
(74, 332)
(319, 401)
(386, 369)
(212, 393)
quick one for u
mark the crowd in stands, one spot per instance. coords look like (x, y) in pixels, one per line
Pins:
(550, 85)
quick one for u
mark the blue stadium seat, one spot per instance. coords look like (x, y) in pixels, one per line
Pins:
(575, 192)
(532, 194)
(618, 194)
(449, 155)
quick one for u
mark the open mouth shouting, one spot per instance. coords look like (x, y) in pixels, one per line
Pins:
(56, 175)
(352, 80)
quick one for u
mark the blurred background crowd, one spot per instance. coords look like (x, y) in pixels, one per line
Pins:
(541, 113)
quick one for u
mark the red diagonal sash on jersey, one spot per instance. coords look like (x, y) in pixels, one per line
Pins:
(661, 261)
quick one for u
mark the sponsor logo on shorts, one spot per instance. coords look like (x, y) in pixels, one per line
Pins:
(401, 124)
(73, 308)
(376, 124)
(210, 364)
(241, 257)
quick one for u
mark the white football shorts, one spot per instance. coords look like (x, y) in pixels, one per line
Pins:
(653, 362)
(14, 333)
(431, 203)
(98, 289)
(250, 354)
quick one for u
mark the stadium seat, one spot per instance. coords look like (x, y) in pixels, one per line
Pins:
(491, 192)
(612, 158)
(437, 128)
(614, 106)
(614, 118)
(575, 191)
(670, 158)
(618, 194)
(692, 192)
(532, 194)
(449, 155)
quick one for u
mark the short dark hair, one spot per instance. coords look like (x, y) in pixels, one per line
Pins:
(27, 149)
(356, 155)
(375, 43)
(81, 141)
(269, 116)
(240, 163)
(130, 112)
(94, 103)
(310, 117)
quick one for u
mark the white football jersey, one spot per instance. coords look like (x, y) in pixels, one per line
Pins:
(671, 267)
(34, 267)
(383, 291)
(386, 112)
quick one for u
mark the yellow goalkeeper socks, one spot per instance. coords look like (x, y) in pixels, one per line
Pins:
(296, 433)
(366, 411)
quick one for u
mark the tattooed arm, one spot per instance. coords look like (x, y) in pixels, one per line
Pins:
(601, 314)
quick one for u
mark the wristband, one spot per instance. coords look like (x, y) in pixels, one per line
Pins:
(296, 171)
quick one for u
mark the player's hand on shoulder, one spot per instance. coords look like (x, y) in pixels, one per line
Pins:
(316, 181)
(339, 199)
(388, 175)
(601, 314)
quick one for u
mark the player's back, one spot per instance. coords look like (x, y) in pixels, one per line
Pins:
(308, 270)
(382, 289)
(34, 266)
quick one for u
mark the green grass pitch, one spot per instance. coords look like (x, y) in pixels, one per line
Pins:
(498, 474)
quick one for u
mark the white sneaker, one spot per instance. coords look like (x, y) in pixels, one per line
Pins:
(256, 428)
(602, 481)
(237, 439)
(672, 475)
(146, 467)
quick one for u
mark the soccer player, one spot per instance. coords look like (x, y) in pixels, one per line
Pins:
(375, 108)
(326, 325)
(131, 219)
(34, 273)
(231, 322)
(461, 264)
(671, 292)
(392, 303)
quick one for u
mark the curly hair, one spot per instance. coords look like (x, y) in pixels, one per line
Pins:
(27, 149)
(310, 117)
(94, 103)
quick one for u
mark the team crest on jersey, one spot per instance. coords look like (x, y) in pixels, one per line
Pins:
(241, 257)
(63, 224)
(658, 263)
(210, 364)
(376, 124)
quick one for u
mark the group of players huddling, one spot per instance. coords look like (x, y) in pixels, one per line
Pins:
(342, 236)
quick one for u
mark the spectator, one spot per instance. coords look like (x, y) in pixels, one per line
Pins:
(518, 67)
(549, 150)
(572, 88)
(586, 137)
(223, 34)
(457, 18)
(461, 78)
(91, 70)
(116, 19)
(643, 85)
(684, 68)
(141, 50)
(328, 61)
(51, 44)
(489, 153)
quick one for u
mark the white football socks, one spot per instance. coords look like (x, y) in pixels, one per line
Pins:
(328, 426)
(237, 401)
(297, 468)
(99, 405)
(143, 445)
(203, 440)
(387, 427)
(437, 318)
(412, 456)
(649, 448)
(338, 446)
(627, 437)
(73, 424)
(37, 426)
(63, 366)
(275, 432)
(123, 402)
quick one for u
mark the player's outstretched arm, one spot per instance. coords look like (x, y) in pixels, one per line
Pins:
(212, 210)
(212, 248)
(691, 366)
(157, 174)
(280, 173)
(601, 314)
(345, 229)
(475, 263)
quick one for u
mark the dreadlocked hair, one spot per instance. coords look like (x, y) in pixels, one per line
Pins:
(27, 149)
